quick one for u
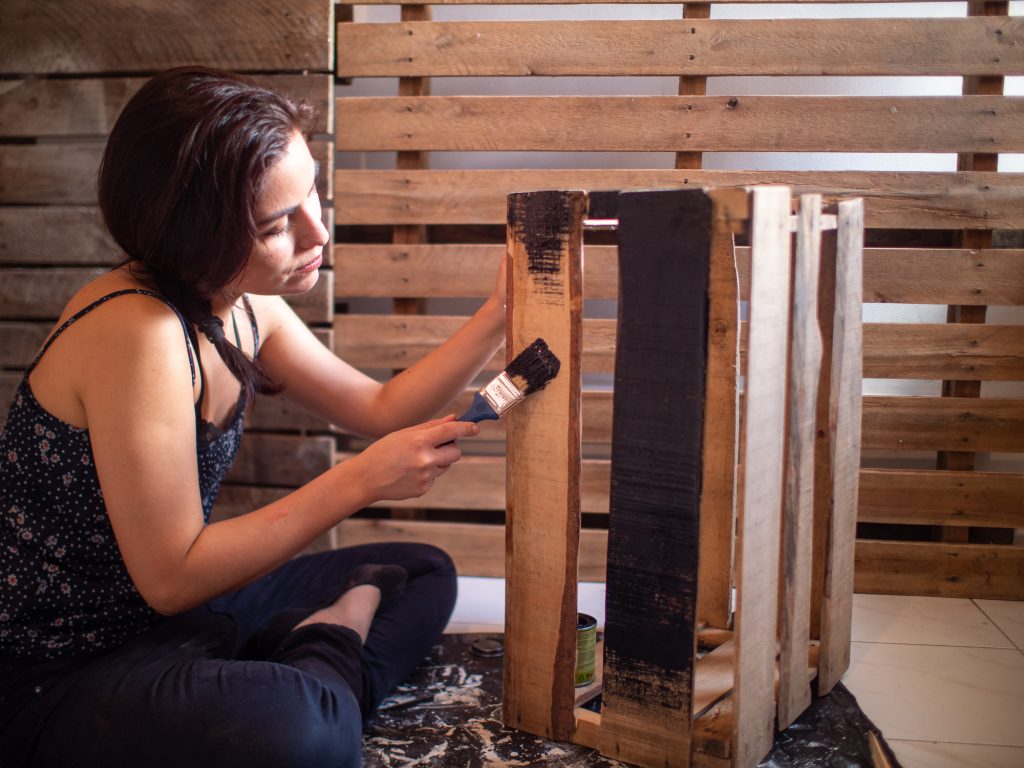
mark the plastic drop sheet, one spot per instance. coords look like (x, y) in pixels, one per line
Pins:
(448, 713)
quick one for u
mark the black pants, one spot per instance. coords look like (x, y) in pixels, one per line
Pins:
(228, 685)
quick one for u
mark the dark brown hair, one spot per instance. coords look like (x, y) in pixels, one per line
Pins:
(183, 170)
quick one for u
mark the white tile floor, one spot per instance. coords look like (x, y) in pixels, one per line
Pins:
(942, 678)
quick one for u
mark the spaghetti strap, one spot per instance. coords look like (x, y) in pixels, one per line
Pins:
(255, 330)
(102, 300)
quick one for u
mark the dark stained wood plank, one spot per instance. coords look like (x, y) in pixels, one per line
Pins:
(689, 47)
(112, 36)
(894, 200)
(657, 454)
(545, 299)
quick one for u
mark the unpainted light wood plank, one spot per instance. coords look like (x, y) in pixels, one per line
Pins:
(65, 173)
(894, 200)
(398, 341)
(943, 423)
(845, 445)
(545, 244)
(757, 545)
(657, 464)
(89, 106)
(112, 36)
(934, 497)
(680, 123)
(721, 422)
(991, 571)
(798, 508)
(688, 47)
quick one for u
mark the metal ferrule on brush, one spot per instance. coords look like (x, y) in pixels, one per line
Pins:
(501, 394)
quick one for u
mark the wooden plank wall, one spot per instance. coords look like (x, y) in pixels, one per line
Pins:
(418, 235)
(66, 75)
(928, 526)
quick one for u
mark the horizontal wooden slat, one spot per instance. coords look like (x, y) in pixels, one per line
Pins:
(982, 46)
(612, 2)
(398, 341)
(892, 200)
(949, 351)
(284, 460)
(89, 107)
(891, 275)
(681, 123)
(40, 293)
(58, 234)
(943, 423)
(111, 36)
(940, 570)
(65, 174)
(938, 497)
(478, 550)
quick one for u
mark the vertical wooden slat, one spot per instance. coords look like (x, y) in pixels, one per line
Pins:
(543, 469)
(718, 486)
(844, 435)
(657, 441)
(693, 85)
(971, 238)
(757, 547)
(798, 510)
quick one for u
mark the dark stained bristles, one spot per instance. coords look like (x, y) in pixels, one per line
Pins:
(533, 368)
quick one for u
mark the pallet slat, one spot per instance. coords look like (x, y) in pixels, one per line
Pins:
(892, 200)
(89, 106)
(680, 123)
(108, 36)
(682, 48)
(943, 423)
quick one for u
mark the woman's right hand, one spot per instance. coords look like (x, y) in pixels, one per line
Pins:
(405, 464)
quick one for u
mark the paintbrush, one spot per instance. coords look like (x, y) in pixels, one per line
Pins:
(531, 370)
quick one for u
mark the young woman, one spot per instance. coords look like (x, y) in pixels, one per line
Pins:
(133, 631)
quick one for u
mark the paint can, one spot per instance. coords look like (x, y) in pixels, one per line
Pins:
(586, 648)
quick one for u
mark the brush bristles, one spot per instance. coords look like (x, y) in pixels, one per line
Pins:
(533, 368)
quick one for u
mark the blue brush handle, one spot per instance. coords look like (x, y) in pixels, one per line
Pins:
(480, 410)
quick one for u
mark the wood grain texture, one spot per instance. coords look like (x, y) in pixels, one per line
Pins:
(845, 445)
(89, 106)
(893, 200)
(113, 36)
(545, 244)
(574, 2)
(940, 570)
(757, 545)
(943, 423)
(798, 509)
(721, 406)
(680, 123)
(939, 497)
(891, 275)
(65, 173)
(980, 352)
(688, 47)
(285, 460)
(657, 466)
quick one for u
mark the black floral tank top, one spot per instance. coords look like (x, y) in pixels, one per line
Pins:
(64, 588)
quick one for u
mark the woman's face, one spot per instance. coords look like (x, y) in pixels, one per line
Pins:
(289, 247)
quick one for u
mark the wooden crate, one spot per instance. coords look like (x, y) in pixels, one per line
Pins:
(692, 461)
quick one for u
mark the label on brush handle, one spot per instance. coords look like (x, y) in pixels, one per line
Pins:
(501, 394)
